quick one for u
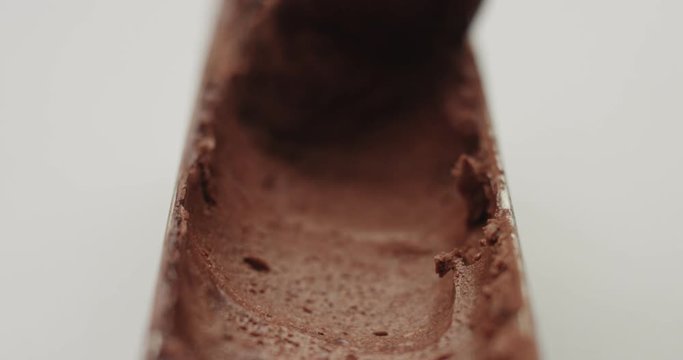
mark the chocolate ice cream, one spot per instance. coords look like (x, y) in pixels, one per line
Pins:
(340, 153)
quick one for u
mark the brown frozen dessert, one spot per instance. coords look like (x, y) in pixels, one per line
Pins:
(340, 154)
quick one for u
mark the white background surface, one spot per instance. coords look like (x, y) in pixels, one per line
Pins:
(95, 98)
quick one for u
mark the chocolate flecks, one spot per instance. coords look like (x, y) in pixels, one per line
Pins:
(257, 264)
(471, 256)
(499, 266)
(380, 333)
(445, 262)
(205, 142)
(182, 220)
(491, 233)
(204, 184)
(474, 184)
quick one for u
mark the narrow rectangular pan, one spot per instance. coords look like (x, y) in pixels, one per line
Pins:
(341, 195)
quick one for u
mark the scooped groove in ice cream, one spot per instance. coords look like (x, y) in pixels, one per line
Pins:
(341, 152)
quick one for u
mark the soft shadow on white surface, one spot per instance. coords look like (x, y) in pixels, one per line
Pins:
(586, 97)
(95, 98)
